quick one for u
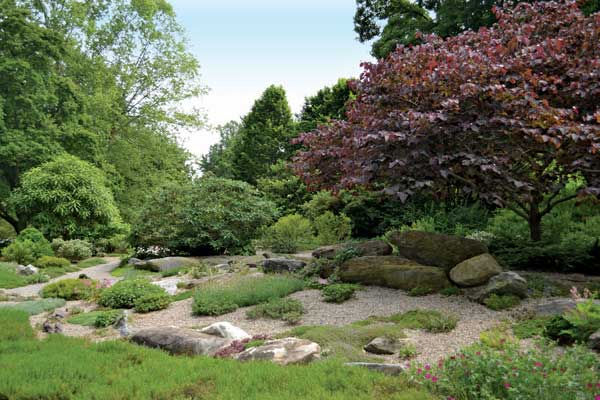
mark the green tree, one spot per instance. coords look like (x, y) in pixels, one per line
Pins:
(67, 197)
(218, 158)
(329, 103)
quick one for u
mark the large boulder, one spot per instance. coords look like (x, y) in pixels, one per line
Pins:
(368, 248)
(180, 341)
(506, 283)
(165, 264)
(555, 307)
(435, 249)
(475, 271)
(388, 369)
(394, 272)
(280, 265)
(283, 352)
(27, 270)
(226, 330)
(593, 342)
(385, 345)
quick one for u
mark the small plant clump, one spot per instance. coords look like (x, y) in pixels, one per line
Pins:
(52, 262)
(152, 302)
(288, 310)
(98, 319)
(72, 289)
(124, 294)
(451, 291)
(499, 303)
(420, 291)
(339, 292)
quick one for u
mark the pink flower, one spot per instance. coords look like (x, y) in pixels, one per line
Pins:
(598, 385)
(478, 353)
(427, 367)
(419, 370)
(597, 397)
(538, 364)
(507, 385)
(427, 375)
(434, 379)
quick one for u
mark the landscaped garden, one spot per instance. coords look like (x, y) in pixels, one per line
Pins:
(427, 231)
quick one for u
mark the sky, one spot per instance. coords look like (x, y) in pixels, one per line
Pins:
(245, 46)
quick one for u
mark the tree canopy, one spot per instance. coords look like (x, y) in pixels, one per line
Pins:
(508, 113)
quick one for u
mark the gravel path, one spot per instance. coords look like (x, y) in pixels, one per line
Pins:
(98, 272)
(372, 301)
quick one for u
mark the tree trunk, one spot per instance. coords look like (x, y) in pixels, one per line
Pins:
(535, 223)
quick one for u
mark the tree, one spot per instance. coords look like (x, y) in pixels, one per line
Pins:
(66, 197)
(508, 113)
(402, 20)
(218, 159)
(327, 104)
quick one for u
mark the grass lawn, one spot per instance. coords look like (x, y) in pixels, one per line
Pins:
(9, 278)
(34, 307)
(68, 368)
(91, 262)
(130, 272)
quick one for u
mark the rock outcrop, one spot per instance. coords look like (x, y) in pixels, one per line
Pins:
(283, 352)
(367, 248)
(475, 271)
(279, 265)
(180, 341)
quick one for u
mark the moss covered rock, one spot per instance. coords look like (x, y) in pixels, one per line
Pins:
(475, 271)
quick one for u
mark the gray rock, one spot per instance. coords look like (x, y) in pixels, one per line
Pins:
(122, 326)
(475, 271)
(226, 330)
(593, 342)
(136, 261)
(180, 341)
(168, 284)
(557, 306)
(367, 248)
(279, 265)
(392, 271)
(444, 251)
(27, 270)
(283, 352)
(384, 345)
(166, 264)
(52, 326)
(506, 283)
(388, 369)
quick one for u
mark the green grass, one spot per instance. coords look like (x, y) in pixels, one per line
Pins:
(91, 262)
(68, 368)
(216, 298)
(499, 303)
(9, 278)
(182, 296)
(55, 272)
(530, 327)
(288, 310)
(130, 272)
(34, 307)
(428, 320)
(97, 319)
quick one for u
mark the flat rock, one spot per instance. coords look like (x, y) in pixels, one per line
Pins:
(506, 283)
(394, 272)
(434, 249)
(283, 352)
(226, 330)
(27, 270)
(475, 271)
(180, 341)
(169, 284)
(388, 369)
(279, 265)
(384, 345)
(367, 248)
(166, 264)
(557, 306)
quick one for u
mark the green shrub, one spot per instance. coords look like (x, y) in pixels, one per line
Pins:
(529, 328)
(419, 291)
(339, 292)
(504, 302)
(216, 298)
(288, 310)
(124, 294)
(584, 320)
(451, 291)
(558, 329)
(15, 326)
(289, 235)
(71, 289)
(115, 244)
(210, 216)
(73, 250)
(98, 319)
(152, 302)
(29, 245)
(429, 320)
(35, 307)
(408, 351)
(52, 262)
(332, 228)
(37, 278)
(90, 262)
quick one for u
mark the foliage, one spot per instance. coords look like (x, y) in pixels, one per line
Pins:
(15, 325)
(98, 319)
(152, 302)
(504, 302)
(66, 197)
(289, 234)
(212, 215)
(35, 307)
(115, 244)
(132, 370)
(91, 262)
(284, 188)
(559, 329)
(216, 298)
(339, 292)
(529, 328)
(419, 291)
(481, 372)
(288, 310)
(126, 293)
(451, 291)
(465, 85)
(329, 103)
(51, 261)
(29, 245)
(331, 228)
(73, 250)
(584, 320)
(71, 289)
(408, 351)
(429, 320)
(128, 272)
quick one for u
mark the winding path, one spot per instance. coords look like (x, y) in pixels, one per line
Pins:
(97, 272)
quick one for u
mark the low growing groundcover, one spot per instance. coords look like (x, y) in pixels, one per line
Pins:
(68, 368)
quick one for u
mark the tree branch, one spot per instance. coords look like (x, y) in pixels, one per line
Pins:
(551, 205)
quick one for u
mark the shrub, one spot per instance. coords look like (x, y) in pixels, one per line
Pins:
(73, 250)
(584, 320)
(408, 351)
(216, 298)
(288, 235)
(504, 302)
(152, 302)
(98, 319)
(29, 245)
(419, 291)
(558, 329)
(529, 328)
(71, 289)
(210, 216)
(115, 244)
(288, 310)
(339, 292)
(451, 291)
(429, 320)
(332, 228)
(124, 294)
(52, 262)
